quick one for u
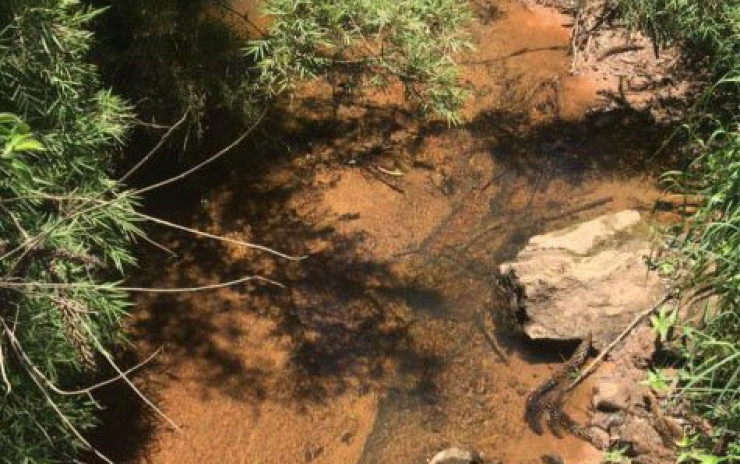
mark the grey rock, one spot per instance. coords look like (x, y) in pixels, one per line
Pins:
(588, 278)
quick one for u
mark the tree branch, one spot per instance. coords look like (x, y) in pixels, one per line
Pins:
(595, 363)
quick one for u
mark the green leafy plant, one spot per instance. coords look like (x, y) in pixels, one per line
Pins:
(690, 453)
(367, 42)
(707, 245)
(616, 456)
(664, 322)
(658, 380)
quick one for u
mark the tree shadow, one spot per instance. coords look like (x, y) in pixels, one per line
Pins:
(338, 323)
(342, 321)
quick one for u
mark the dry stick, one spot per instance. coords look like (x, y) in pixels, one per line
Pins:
(207, 161)
(8, 386)
(151, 153)
(394, 173)
(218, 237)
(592, 367)
(22, 353)
(243, 16)
(202, 287)
(160, 246)
(102, 203)
(108, 357)
(21, 285)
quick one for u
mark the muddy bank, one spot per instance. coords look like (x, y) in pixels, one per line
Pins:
(381, 348)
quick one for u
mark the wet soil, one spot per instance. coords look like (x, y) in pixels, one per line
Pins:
(381, 347)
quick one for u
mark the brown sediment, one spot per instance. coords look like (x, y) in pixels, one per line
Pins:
(381, 348)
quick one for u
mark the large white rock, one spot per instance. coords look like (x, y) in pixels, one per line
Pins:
(587, 278)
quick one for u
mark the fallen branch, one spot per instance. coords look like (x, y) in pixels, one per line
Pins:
(595, 363)
(116, 288)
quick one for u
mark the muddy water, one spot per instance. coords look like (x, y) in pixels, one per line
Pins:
(381, 348)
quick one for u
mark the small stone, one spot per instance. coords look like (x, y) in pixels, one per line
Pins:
(642, 437)
(456, 456)
(347, 436)
(611, 395)
(552, 459)
(607, 421)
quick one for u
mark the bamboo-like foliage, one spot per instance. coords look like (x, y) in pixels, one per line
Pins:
(171, 57)
(367, 42)
(59, 308)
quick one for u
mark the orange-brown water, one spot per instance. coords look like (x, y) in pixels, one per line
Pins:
(381, 348)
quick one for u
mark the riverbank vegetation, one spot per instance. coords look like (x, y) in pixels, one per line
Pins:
(65, 230)
(706, 247)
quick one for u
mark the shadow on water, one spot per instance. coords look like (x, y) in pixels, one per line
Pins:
(345, 315)
(346, 320)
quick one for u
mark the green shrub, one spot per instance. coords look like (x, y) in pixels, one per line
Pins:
(367, 42)
(58, 309)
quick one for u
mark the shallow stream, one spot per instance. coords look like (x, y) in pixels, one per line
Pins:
(381, 348)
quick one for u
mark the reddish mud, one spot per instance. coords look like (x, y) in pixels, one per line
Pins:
(381, 347)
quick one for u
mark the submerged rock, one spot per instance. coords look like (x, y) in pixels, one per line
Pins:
(587, 278)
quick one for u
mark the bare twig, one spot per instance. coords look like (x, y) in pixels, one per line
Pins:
(8, 385)
(122, 375)
(595, 363)
(31, 285)
(205, 162)
(16, 222)
(178, 227)
(395, 173)
(202, 287)
(218, 237)
(18, 348)
(242, 16)
(160, 246)
(159, 145)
